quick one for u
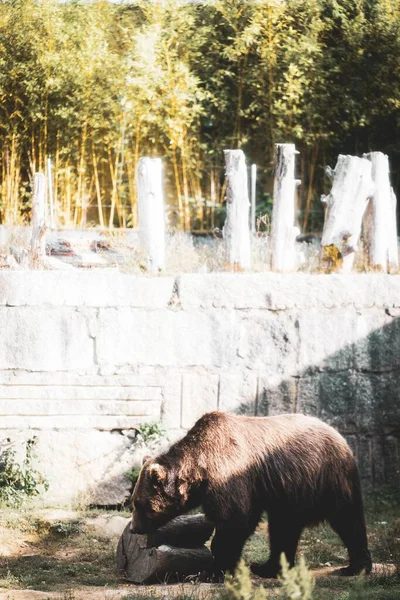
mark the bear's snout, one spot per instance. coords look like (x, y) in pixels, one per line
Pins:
(134, 530)
(137, 528)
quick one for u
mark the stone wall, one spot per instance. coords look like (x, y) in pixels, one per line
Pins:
(85, 357)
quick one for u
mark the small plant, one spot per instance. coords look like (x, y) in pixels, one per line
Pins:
(10, 581)
(19, 481)
(150, 433)
(150, 436)
(133, 475)
(67, 528)
(297, 583)
(240, 587)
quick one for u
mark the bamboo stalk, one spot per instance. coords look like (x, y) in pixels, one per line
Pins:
(307, 207)
(113, 192)
(177, 186)
(97, 185)
(186, 219)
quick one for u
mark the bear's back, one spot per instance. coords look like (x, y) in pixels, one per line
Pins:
(302, 451)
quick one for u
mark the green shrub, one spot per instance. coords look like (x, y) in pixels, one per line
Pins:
(150, 433)
(19, 481)
(297, 583)
(133, 475)
(240, 587)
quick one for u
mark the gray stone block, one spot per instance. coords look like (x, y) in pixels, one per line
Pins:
(276, 396)
(238, 392)
(171, 410)
(146, 409)
(44, 339)
(199, 395)
(378, 397)
(105, 287)
(308, 394)
(327, 339)
(268, 343)
(378, 342)
(83, 422)
(274, 291)
(338, 400)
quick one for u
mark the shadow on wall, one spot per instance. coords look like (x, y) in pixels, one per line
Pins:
(357, 390)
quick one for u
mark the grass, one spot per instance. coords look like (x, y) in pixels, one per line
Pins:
(65, 554)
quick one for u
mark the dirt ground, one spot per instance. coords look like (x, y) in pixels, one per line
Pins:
(69, 555)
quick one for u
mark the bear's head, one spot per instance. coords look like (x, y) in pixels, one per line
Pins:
(159, 496)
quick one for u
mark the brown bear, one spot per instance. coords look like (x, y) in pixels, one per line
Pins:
(296, 468)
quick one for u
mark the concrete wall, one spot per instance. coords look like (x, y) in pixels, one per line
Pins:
(87, 356)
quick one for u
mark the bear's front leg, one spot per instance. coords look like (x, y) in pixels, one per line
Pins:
(227, 546)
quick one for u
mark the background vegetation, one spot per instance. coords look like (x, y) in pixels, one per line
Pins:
(95, 85)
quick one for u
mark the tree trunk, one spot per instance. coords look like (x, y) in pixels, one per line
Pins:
(151, 211)
(346, 203)
(38, 248)
(236, 228)
(380, 227)
(283, 230)
(98, 188)
(173, 550)
(253, 179)
(51, 195)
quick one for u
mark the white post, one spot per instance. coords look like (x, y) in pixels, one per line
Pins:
(253, 184)
(283, 230)
(346, 203)
(151, 211)
(380, 227)
(50, 189)
(38, 243)
(236, 229)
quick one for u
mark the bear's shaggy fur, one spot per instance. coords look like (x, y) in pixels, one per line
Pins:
(296, 468)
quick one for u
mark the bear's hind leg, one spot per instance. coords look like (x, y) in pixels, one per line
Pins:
(349, 524)
(284, 535)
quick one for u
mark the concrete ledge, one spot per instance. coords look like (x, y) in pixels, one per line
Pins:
(103, 287)
(273, 291)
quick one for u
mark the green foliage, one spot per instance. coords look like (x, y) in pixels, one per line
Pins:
(133, 475)
(297, 583)
(150, 433)
(240, 587)
(95, 85)
(20, 480)
(67, 528)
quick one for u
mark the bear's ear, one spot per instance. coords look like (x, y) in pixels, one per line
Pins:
(158, 474)
(145, 458)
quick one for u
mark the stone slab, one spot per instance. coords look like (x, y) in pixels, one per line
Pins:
(94, 288)
(238, 392)
(100, 422)
(274, 291)
(81, 392)
(73, 378)
(276, 395)
(172, 339)
(171, 409)
(199, 395)
(43, 339)
(55, 407)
